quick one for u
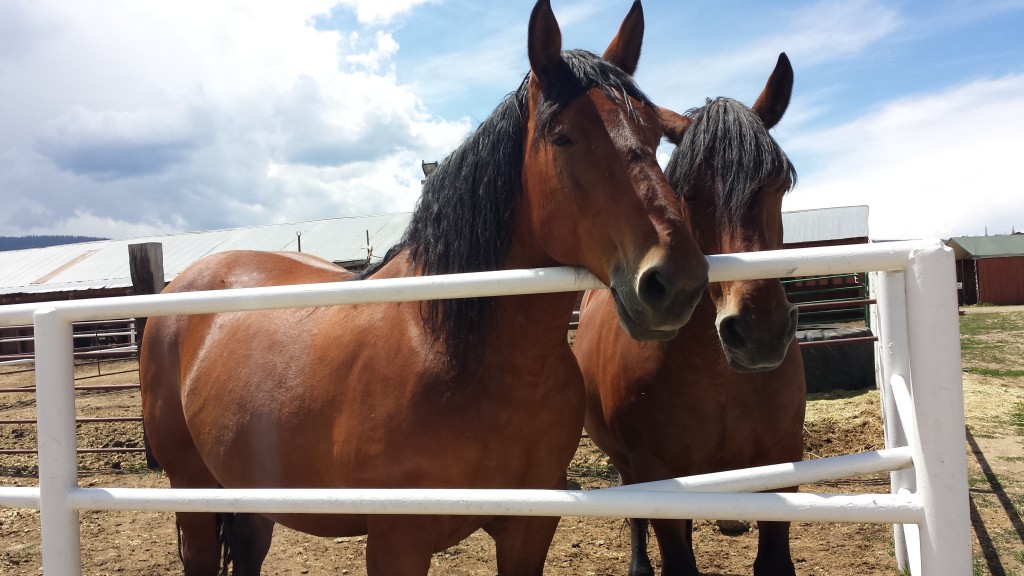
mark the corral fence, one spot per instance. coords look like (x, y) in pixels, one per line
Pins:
(830, 298)
(920, 380)
(99, 339)
(96, 344)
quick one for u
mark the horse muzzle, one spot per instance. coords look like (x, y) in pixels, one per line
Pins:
(751, 345)
(660, 300)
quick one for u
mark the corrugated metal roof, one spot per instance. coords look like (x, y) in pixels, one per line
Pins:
(823, 224)
(104, 264)
(987, 246)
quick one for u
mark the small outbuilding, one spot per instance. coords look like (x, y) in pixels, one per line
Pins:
(834, 226)
(989, 269)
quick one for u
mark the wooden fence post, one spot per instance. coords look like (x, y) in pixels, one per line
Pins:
(146, 261)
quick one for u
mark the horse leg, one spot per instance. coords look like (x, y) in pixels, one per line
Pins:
(521, 543)
(676, 544)
(197, 543)
(199, 533)
(399, 545)
(250, 542)
(773, 557)
(640, 561)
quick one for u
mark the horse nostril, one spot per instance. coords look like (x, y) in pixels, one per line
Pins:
(652, 289)
(729, 332)
(794, 321)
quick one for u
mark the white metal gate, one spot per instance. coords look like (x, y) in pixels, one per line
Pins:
(922, 406)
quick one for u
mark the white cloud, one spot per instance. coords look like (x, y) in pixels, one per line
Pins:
(941, 165)
(812, 36)
(385, 49)
(582, 13)
(381, 11)
(174, 114)
(85, 223)
(121, 143)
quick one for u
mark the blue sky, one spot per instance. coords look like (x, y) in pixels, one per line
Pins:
(124, 119)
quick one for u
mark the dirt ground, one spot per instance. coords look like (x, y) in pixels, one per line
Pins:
(145, 543)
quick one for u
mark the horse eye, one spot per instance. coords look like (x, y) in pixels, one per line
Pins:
(561, 140)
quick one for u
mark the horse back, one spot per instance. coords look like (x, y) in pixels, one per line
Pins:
(251, 269)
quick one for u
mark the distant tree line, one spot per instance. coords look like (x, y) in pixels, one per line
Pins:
(26, 242)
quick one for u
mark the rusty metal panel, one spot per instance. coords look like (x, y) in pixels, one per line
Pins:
(1001, 280)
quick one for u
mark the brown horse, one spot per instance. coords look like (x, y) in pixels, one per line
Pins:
(728, 391)
(475, 393)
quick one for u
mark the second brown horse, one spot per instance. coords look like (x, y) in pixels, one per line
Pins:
(728, 391)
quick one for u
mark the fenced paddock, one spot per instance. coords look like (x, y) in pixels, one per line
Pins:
(100, 349)
(922, 405)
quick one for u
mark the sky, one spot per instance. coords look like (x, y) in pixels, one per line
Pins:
(123, 119)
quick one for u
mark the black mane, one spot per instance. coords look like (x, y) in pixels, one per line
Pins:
(463, 220)
(729, 147)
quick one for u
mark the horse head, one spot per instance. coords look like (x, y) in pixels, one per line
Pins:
(589, 159)
(732, 175)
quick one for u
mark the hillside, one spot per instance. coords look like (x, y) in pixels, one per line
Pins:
(26, 242)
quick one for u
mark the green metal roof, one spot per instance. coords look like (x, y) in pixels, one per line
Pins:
(987, 246)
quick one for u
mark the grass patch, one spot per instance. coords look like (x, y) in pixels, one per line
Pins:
(979, 568)
(996, 372)
(1017, 418)
(985, 340)
(979, 324)
(984, 435)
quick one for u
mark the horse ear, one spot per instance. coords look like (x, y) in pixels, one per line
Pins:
(624, 51)
(544, 42)
(673, 125)
(774, 100)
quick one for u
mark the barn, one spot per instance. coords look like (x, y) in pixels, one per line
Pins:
(98, 269)
(102, 268)
(989, 269)
(835, 357)
(825, 227)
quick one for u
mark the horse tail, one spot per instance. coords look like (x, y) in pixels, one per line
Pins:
(225, 522)
(225, 529)
(181, 551)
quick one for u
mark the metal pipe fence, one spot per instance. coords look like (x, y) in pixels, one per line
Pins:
(89, 351)
(94, 339)
(919, 358)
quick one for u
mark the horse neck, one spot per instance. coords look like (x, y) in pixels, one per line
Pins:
(534, 322)
(537, 320)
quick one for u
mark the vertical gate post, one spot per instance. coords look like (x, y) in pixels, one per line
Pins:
(58, 458)
(937, 388)
(146, 261)
(894, 358)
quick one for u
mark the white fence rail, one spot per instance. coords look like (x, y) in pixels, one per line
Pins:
(922, 404)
